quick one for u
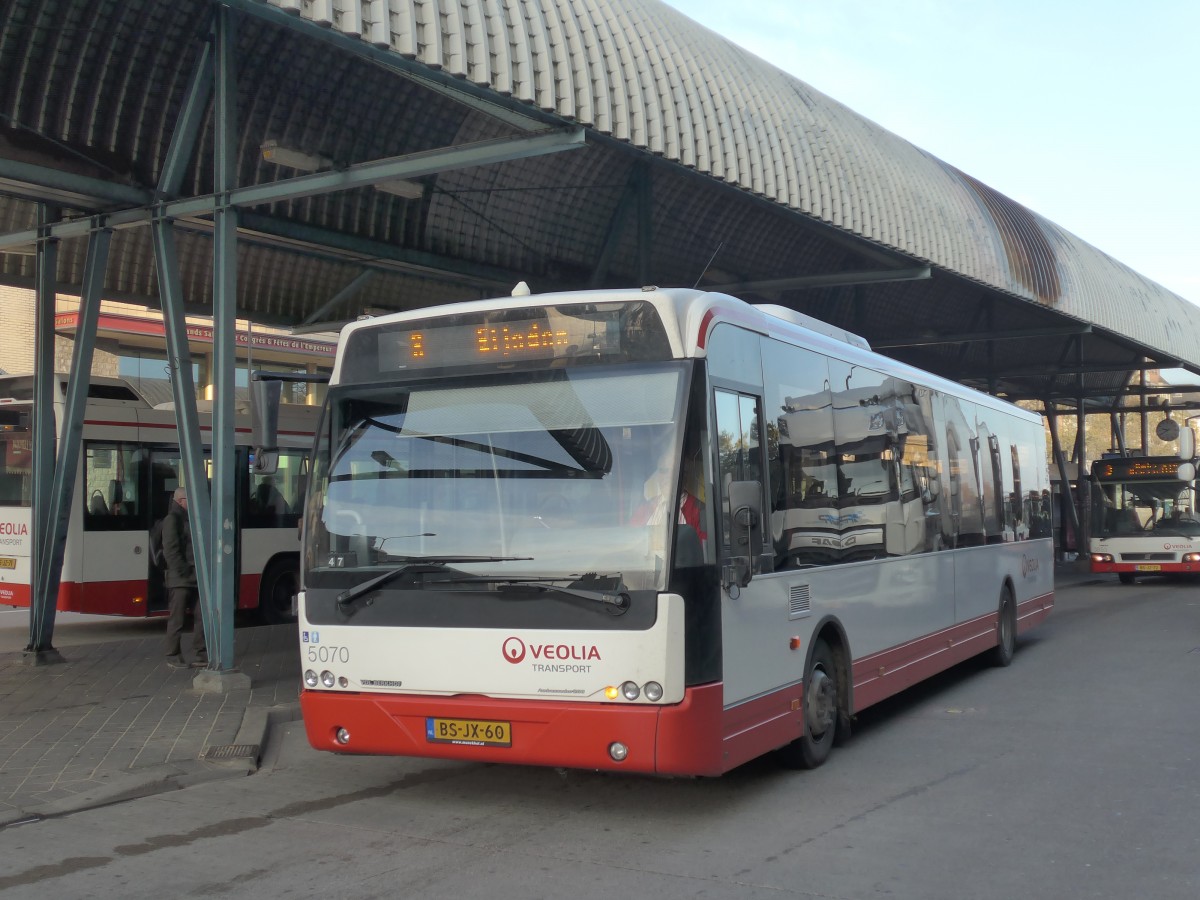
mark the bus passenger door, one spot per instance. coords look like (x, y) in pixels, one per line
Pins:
(752, 604)
(164, 474)
(106, 566)
(739, 467)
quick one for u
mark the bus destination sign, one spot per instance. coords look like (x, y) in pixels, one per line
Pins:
(549, 335)
(1132, 469)
(458, 345)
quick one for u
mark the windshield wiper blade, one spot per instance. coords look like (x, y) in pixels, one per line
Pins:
(348, 596)
(618, 600)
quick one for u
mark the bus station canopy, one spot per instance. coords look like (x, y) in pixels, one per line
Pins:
(404, 153)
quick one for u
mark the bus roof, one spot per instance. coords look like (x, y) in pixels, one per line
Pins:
(688, 316)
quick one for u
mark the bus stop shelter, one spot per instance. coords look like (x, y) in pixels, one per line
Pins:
(305, 162)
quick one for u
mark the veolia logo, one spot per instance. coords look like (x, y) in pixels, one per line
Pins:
(513, 649)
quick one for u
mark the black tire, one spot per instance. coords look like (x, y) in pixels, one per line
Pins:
(822, 711)
(1006, 630)
(1125, 577)
(279, 585)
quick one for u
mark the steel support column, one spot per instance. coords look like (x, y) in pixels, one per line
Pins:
(43, 604)
(1145, 417)
(183, 391)
(1060, 460)
(170, 295)
(58, 511)
(187, 127)
(222, 601)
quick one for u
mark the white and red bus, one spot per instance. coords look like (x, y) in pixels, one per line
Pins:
(550, 530)
(129, 466)
(1144, 519)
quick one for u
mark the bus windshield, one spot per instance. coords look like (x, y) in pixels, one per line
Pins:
(1159, 508)
(557, 474)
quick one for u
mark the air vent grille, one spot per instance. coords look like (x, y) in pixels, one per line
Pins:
(801, 601)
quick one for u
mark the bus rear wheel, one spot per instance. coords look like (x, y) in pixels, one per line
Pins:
(280, 582)
(822, 711)
(1006, 630)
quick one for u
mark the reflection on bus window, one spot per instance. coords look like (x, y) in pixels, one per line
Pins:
(16, 459)
(111, 475)
(278, 497)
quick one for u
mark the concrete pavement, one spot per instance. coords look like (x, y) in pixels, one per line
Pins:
(114, 722)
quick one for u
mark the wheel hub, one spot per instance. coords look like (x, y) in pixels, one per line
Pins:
(822, 702)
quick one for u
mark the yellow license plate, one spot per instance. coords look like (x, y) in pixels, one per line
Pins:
(7, 562)
(1148, 568)
(473, 732)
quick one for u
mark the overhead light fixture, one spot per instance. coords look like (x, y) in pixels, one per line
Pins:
(294, 159)
(409, 190)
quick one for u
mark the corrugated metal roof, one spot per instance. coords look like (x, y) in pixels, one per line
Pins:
(744, 160)
(644, 73)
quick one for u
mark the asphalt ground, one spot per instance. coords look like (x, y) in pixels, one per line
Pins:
(113, 722)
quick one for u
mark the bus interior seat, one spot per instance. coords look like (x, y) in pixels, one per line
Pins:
(97, 506)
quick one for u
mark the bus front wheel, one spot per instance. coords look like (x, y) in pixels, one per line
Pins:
(822, 711)
(280, 582)
(1125, 577)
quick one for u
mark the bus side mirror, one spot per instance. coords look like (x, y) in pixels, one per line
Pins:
(1187, 443)
(264, 423)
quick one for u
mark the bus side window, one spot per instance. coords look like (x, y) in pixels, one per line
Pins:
(740, 460)
(110, 487)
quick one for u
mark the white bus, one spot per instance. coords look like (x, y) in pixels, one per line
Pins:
(1144, 519)
(129, 466)
(553, 530)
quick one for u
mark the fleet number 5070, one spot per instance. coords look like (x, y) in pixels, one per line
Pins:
(328, 653)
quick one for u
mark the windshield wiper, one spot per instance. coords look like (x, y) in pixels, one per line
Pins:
(348, 596)
(617, 600)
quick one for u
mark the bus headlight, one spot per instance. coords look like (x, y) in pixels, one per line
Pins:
(310, 678)
(1191, 557)
(630, 691)
(1102, 557)
(327, 679)
(618, 751)
(653, 691)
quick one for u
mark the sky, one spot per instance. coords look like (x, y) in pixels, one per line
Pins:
(1088, 113)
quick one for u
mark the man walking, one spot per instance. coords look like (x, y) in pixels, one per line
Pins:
(180, 581)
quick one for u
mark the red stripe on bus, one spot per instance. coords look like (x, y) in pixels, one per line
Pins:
(116, 598)
(880, 675)
(694, 737)
(702, 335)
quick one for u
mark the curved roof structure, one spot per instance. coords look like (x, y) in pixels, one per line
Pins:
(701, 164)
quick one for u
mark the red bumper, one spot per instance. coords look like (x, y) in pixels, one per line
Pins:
(683, 739)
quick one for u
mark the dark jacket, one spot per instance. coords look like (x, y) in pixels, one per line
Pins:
(177, 548)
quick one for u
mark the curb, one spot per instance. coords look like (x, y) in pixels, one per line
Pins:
(211, 766)
(245, 753)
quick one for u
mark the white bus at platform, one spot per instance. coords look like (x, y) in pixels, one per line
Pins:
(561, 530)
(1144, 518)
(129, 466)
